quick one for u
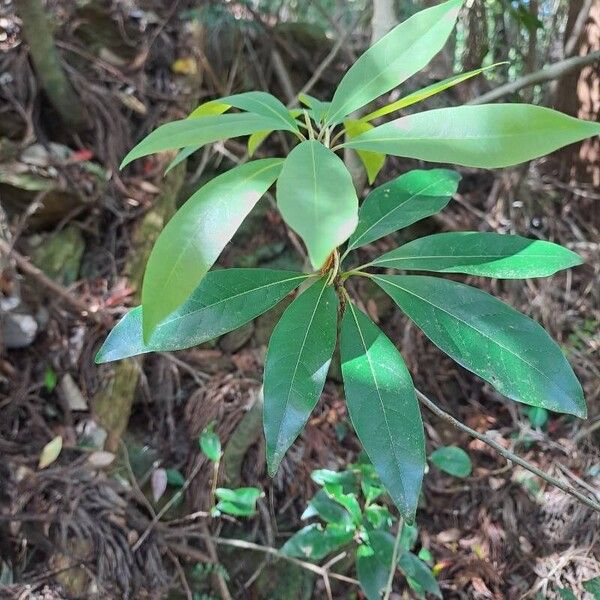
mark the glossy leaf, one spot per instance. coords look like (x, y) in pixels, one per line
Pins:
(401, 202)
(372, 161)
(182, 155)
(346, 479)
(452, 460)
(258, 103)
(348, 501)
(417, 572)
(493, 340)
(210, 444)
(314, 543)
(317, 199)
(193, 239)
(255, 140)
(372, 575)
(383, 408)
(475, 253)
(224, 300)
(199, 132)
(296, 366)
(404, 51)
(426, 92)
(488, 135)
(378, 516)
(317, 108)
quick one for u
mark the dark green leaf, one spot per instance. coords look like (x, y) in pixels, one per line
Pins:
(199, 132)
(538, 417)
(372, 575)
(416, 570)
(348, 501)
(383, 408)
(314, 542)
(593, 587)
(193, 239)
(402, 201)
(488, 135)
(486, 254)
(296, 366)
(175, 478)
(452, 460)
(329, 510)
(378, 516)
(317, 199)
(382, 543)
(224, 300)
(404, 51)
(491, 339)
(566, 594)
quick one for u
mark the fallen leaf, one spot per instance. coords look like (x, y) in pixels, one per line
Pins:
(50, 452)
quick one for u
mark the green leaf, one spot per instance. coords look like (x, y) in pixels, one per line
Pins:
(382, 543)
(182, 155)
(488, 135)
(538, 417)
(404, 51)
(401, 202)
(452, 460)
(372, 575)
(193, 239)
(348, 501)
(296, 366)
(383, 408)
(346, 479)
(258, 103)
(224, 300)
(475, 253)
(491, 339)
(593, 587)
(372, 161)
(417, 571)
(317, 108)
(50, 378)
(175, 478)
(426, 92)
(239, 503)
(378, 516)
(314, 542)
(566, 594)
(255, 140)
(329, 510)
(317, 199)
(210, 444)
(199, 132)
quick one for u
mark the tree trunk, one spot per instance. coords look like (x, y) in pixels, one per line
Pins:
(578, 94)
(45, 59)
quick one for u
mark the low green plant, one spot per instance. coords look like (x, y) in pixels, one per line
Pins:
(184, 303)
(350, 511)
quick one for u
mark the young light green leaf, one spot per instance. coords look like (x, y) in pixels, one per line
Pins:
(404, 51)
(296, 366)
(475, 253)
(314, 542)
(452, 460)
(426, 92)
(383, 408)
(491, 339)
(348, 501)
(224, 300)
(258, 103)
(199, 132)
(402, 201)
(240, 502)
(417, 572)
(50, 452)
(255, 140)
(317, 108)
(317, 199)
(372, 161)
(346, 479)
(487, 135)
(210, 444)
(372, 574)
(193, 239)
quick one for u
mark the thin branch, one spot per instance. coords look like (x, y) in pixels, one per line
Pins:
(561, 485)
(321, 571)
(390, 581)
(549, 73)
(42, 279)
(578, 27)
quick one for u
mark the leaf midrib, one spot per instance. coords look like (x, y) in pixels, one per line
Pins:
(481, 333)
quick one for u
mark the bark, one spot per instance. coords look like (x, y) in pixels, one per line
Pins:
(578, 94)
(46, 61)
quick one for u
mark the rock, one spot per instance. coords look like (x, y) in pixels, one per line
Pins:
(72, 394)
(19, 330)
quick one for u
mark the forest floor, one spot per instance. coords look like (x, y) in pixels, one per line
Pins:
(79, 228)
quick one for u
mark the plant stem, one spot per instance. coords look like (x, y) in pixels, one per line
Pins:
(390, 581)
(311, 132)
(561, 485)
